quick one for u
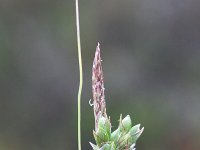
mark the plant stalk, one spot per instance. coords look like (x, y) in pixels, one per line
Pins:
(80, 74)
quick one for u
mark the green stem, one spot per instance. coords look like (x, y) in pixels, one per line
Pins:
(80, 75)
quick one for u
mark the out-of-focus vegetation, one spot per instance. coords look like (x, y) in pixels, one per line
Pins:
(151, 53)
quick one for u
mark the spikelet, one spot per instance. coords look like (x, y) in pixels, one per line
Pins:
(98, 88)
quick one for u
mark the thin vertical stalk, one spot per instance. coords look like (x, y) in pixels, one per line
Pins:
(80, 75)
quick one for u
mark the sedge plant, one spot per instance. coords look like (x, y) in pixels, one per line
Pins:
(126, 135)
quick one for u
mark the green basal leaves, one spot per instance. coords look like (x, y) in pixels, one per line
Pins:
(123, 138)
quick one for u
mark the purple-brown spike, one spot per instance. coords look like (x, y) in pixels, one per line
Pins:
(98, 88)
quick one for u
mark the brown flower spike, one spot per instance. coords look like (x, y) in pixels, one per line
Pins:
(99, 103)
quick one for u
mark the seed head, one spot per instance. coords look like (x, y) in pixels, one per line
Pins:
(98, 88)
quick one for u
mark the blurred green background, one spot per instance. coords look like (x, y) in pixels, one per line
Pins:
(151, 58)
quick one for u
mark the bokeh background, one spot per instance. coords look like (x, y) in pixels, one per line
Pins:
(151, 59)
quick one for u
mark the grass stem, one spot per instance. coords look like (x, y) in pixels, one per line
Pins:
(80, 75)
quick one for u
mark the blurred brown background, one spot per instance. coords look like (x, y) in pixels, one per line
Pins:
(151, 53)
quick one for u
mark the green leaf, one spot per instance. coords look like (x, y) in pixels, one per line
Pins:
(108, 147)
(125, 124)
(101, 136)
(135, 133)
(95, 147)
(123, 142)
(105, 124)
(115, 134)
